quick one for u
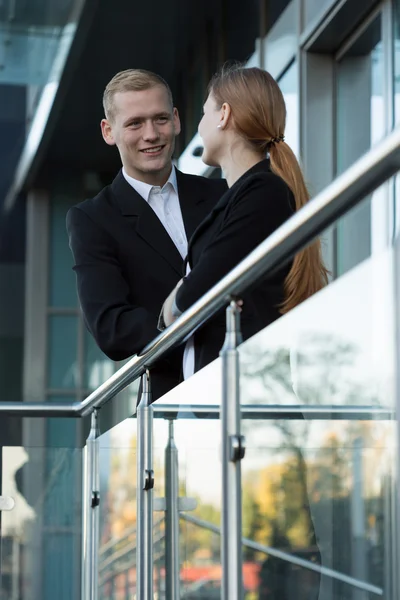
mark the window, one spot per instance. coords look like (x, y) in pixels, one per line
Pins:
(290, 89)
(360, 123)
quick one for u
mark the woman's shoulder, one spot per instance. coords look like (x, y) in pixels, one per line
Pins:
(267, 179)
(264, 186)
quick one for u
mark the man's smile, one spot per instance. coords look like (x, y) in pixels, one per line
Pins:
(153, 150)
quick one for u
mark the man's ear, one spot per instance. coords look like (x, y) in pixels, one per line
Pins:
(106, 131)
(177, 121)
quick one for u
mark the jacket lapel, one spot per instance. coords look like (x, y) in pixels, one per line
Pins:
(144, 220)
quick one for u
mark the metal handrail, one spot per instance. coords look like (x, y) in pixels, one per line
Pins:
(263, 412)
(363, 177)
(269, 412)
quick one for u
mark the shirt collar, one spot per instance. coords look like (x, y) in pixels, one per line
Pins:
(144, 189)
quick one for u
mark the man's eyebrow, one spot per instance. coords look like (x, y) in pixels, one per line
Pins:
(130, 119)
(141, 118)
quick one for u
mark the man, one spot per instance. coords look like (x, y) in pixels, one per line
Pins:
(129, 241)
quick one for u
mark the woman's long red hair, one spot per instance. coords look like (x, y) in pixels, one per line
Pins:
(259, 115)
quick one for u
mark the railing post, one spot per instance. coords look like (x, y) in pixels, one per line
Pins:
(144, 494)
(232, 453)
(91, 487)
(172, 555)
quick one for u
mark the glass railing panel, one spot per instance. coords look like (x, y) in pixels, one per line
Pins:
(335, 349)
(193, 406)
(202, 389)
(118, 515)
(317, 491)
(304, 476)
(41, 538)
(196, 438)
(198, 444)
(322, 491)
(320, 485)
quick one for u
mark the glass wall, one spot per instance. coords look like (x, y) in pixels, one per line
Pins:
(32, 37)
(77, 366)
(313, 10)
(360, 123)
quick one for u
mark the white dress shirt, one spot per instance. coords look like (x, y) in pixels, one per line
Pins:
(165, 203)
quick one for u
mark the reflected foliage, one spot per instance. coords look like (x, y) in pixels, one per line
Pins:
(317, 474)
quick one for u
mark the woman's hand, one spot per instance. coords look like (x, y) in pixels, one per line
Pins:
(167, 314)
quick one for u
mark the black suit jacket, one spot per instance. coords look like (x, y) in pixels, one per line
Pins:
(126, 265)
(246, 215)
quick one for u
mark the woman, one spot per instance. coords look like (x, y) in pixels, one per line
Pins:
(244, 120)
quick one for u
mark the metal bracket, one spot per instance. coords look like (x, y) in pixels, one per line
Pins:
(237, 447)
(95, 499)
(6, 503)
(148, 479)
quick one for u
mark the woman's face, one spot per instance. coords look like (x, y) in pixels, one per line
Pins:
(210, 133)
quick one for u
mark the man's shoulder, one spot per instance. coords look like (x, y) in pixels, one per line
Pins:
(96, 203)
(96, 211)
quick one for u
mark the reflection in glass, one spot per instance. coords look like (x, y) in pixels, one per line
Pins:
(313, 9)
(31, 36)
(117, 574)
(280, 45)
(330, 350)
(41, 536)
(97, 368)
(319, 491)
(62, 286)
(63, 367)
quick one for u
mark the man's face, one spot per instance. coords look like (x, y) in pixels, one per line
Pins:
(144, 127)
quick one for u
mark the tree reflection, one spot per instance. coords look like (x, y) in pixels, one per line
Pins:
(307, 483)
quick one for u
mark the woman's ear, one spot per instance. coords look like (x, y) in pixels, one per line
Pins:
(226, 113)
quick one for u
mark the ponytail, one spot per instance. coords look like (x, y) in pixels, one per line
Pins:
(308, 273)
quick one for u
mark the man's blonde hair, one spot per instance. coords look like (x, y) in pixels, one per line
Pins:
(131, 80)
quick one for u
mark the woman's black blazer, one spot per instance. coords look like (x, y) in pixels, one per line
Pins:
(257, 204)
